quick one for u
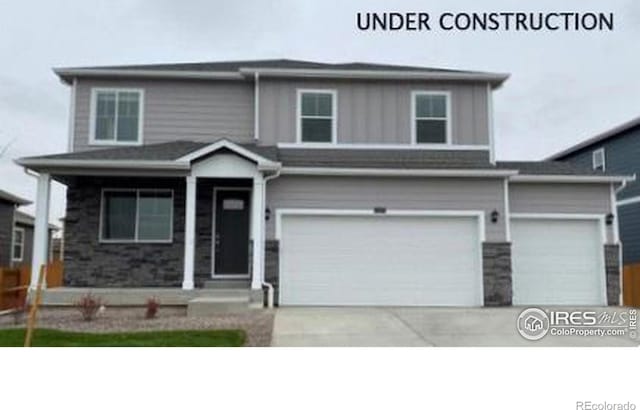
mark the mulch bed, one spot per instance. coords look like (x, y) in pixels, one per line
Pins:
(257, 323)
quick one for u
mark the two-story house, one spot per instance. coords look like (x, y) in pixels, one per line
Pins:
(325, 184)
(616, 150)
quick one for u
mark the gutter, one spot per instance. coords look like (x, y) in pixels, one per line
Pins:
(67, 74)
(269, 286)
(112, 164)
(397, 172)
(571, 178)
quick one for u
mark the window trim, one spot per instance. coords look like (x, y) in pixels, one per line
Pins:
(414, 119)
(14, 243)
(101, 239)
(93, 112)
(593, 159)
(334, 114)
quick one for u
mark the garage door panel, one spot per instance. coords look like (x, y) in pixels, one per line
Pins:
(557, 262)
(379, 260)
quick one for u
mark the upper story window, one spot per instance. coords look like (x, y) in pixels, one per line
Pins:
(137, 215)
(317, 116)
(17, 253)
(116, 116)
(431, 117)
(597, 160)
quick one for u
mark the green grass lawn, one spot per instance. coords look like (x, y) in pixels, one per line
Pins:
(174, 338)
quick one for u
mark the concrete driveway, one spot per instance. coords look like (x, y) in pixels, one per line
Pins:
(377, 326)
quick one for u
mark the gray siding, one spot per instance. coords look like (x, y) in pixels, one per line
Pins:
(621, 157)
(372, 112)
(6, 232)
(561, 198)
(629, 222)
(393, 193)
(175, 110)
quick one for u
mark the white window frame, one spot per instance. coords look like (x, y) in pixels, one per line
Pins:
(14, 243)
(137, 221)
(334, 115)
(414, 140)
(594, 155)
(93, 112)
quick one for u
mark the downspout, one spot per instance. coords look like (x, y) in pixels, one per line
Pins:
(269, 286)
(256, 106)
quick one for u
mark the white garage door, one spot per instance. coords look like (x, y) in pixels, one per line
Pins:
(557, 262)
(380, 260)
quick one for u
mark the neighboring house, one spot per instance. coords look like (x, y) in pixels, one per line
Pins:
(333, 184)
(16, 232)
(616, 151)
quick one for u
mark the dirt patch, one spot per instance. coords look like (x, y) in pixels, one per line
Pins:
(257, 323)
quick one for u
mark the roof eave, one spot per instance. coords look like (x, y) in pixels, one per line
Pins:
(572, 178)
(496, 79)
(68, 74)
(42, 163)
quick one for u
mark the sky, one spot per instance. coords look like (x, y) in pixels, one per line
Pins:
(564, 86)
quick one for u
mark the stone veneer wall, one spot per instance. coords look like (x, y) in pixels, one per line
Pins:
(89, 263)
(496, 272)
(612, 269)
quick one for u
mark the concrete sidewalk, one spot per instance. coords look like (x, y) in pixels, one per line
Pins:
(377, 326)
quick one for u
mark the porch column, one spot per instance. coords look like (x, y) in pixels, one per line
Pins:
(41, 228)
(257, 232)
(189, 233)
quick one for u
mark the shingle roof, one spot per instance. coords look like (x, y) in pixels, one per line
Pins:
(384, 158)
(228, 66)
(8, 197)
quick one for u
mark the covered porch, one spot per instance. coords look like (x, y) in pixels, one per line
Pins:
(192, 215)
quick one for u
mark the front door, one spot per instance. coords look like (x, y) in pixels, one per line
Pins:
(231, 231)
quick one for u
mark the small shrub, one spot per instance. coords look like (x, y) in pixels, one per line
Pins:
(153, 304)
(89, 306)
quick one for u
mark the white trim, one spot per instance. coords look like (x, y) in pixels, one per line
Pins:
(598, 217)
(507, 211)
(614, 212)
(397, 172)
(92, 116)
(430, 147)
(334, 114)
(40, 227)
(137, 221)
(262, 162)
(490, 125)
(480, 215)
(72, 116)
(256, 107)
(97, 163)
(369, 212)
(628, 201)
(190, 201)
(106, 72)
(216, 189)
(14, 243)
(496, 78)
(584, 217)
(570, 178)
(594, 155)
(448, 119)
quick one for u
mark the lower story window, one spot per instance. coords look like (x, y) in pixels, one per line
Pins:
(17, 252)
(137, 215)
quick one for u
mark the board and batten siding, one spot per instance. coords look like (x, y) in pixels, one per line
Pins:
(561, 199)
(315, 192)
(178, 110)
(373, 112)
(6, 232)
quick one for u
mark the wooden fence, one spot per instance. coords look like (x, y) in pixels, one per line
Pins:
(631, 285)
(15, 282)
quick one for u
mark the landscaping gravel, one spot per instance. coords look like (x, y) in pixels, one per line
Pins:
(257, 323)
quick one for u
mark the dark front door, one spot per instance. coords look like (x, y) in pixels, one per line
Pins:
(231, 237)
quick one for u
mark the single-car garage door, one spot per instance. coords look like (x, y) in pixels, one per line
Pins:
(557, 262)
(395, 260)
